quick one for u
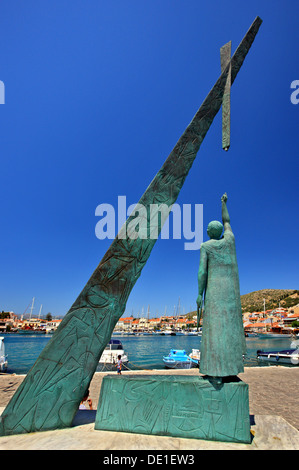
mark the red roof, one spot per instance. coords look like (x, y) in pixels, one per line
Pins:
(254, 325)
(294, 315)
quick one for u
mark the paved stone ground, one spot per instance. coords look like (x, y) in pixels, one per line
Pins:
(273, 390)
(268, 433)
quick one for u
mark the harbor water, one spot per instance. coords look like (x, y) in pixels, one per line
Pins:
(144, 352)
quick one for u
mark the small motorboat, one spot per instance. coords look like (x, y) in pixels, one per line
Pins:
(195, 356)
(178, 359)
(193, 332)
(169, 331)
(109, 357)
(286, 356)
(3, 356)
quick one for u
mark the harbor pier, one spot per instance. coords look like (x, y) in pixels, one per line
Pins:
(273, 408)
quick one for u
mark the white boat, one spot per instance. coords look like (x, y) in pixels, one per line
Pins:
(169, 331)
(286, 356)
(109, 357)
(193, 332)
(195, 356)
(3, 356)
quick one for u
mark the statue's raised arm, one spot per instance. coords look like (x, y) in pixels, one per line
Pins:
(225, 214)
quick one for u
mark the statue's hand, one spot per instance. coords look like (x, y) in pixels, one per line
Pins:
(224, 197)
(199, 300)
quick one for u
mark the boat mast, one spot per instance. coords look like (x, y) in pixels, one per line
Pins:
(265, 313)
(40, 311)
(264, 308)
(148, 314)
(32, 307)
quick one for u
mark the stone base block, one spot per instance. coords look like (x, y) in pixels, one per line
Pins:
(175, 405)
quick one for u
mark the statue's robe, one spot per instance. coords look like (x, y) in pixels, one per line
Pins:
(223, 339)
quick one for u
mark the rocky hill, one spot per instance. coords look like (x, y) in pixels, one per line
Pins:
(254, 301)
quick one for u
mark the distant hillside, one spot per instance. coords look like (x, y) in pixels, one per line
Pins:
(254, 302)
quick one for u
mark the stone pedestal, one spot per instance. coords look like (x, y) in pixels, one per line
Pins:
(174, 405)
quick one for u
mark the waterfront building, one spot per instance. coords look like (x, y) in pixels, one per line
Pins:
(124, 324)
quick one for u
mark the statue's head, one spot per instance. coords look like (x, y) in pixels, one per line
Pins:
(215, 229)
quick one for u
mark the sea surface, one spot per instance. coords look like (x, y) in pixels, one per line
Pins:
(144, 352)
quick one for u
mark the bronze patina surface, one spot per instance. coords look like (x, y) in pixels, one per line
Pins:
(174, 405)
(225, 55)
(223, 338)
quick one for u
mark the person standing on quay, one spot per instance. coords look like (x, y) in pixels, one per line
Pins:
(119, 365)
(223, 339)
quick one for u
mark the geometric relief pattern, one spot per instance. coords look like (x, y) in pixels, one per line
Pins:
(178, 406)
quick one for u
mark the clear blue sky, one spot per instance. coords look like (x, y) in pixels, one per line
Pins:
(97, 95)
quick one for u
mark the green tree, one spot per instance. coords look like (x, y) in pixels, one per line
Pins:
(4, 314)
